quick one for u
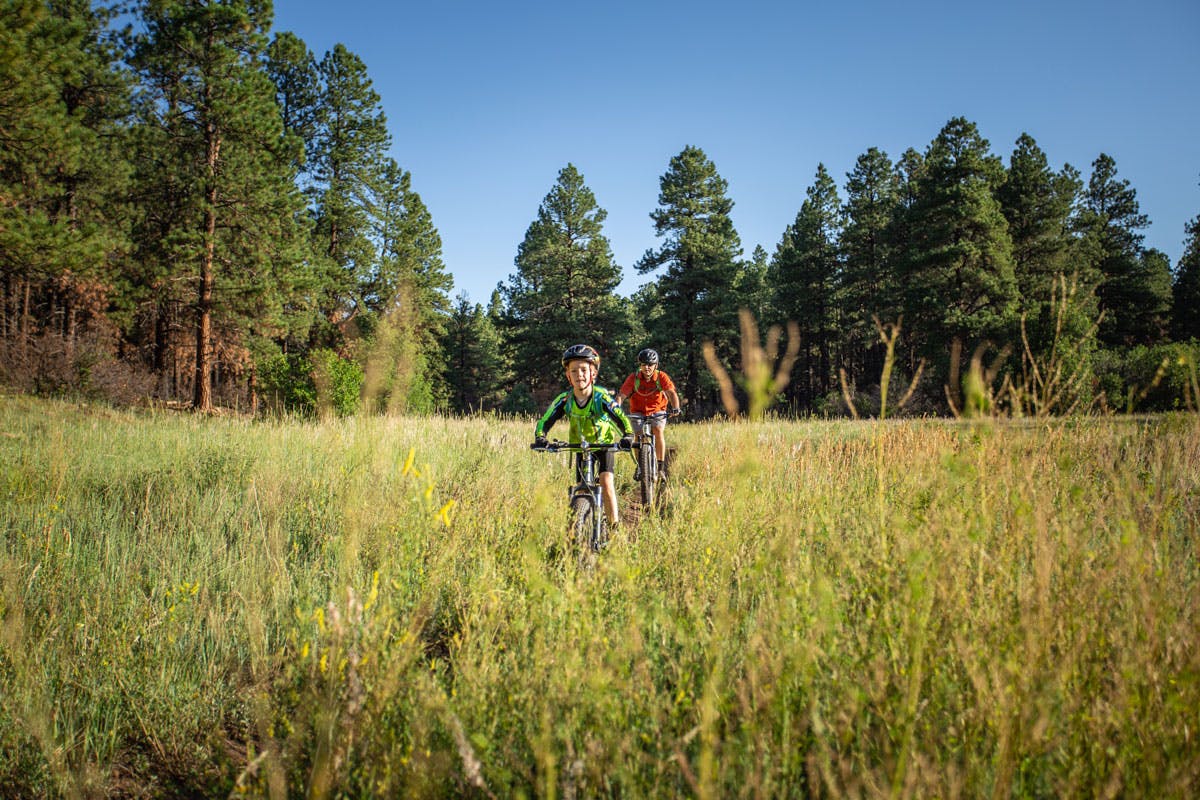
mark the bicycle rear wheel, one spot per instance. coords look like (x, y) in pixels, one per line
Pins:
(648, 471)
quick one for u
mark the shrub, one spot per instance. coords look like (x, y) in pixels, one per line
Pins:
(1149, 378)
(338, 382)
(320, 382)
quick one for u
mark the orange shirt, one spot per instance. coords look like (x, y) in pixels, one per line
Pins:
(647, 396)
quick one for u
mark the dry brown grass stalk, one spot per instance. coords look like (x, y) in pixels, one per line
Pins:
(762, 378)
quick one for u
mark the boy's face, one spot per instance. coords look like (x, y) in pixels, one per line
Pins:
(580, 374)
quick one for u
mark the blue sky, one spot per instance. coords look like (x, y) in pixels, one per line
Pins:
(487, 101)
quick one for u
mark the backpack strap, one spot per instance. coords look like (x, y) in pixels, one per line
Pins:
(601, 403)
(637, 381)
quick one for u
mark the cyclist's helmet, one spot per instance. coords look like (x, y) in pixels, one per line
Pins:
(583, 352)
(648, 356)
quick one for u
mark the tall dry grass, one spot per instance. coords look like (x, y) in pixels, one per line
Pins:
(383, 607)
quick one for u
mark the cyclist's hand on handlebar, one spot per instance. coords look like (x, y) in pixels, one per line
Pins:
(540, 442)
(627, 442)
(675, 412)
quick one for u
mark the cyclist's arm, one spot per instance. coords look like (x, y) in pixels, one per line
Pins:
(673, 396)
(553, 414)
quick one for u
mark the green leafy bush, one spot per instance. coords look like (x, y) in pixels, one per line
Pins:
(321, 381)
(338, 382)
(1149, 378)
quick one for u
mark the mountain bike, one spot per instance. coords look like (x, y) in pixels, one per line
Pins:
(588, 526)
(647, 474)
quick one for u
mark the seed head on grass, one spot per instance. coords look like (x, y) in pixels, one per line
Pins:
(762, 379)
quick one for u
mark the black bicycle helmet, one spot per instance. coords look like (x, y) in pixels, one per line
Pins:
(583, 352)
(648, 356)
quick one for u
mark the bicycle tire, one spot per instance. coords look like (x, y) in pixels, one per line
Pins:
(648, 467)
(582, 510)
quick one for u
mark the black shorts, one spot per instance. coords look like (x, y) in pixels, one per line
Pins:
(606, 461)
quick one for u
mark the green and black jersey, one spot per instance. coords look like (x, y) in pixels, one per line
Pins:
(599, 421)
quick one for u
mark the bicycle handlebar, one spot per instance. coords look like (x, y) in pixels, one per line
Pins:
(579, 447)
(655, 415)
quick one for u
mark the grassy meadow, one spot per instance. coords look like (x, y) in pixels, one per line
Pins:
(216, 607)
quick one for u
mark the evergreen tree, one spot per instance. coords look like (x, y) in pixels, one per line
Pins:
(563, 291)
(752, 288)
(898, 240)
(411, 252)
(1038, 204)
(62, 168)
(1185, 307)
(293, 69)
(868, 291)
(700, 252)
(1150, 321)
(1130, 291)
(474, 363)
(407, 294)
(806, 275)
(956, 272)
(217, 131)
(346, 160)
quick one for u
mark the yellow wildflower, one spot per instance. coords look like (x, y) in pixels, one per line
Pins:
(374, 595)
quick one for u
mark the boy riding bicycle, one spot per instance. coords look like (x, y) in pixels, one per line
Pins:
(648, 390)
(593, 415)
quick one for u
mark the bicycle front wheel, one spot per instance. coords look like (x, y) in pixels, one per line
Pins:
(582, 523)
(648, 469)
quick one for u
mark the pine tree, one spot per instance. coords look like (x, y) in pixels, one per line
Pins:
(1150, 322)
(806, 276)
(1130, 290)
(752, 288)
(868, 291)
(910, 171)
(1038, 204)
(563, 291)
(411, 252)
(346, 160)
(406, 293)
(475, 372)
(293, 70)
(700, 253)
(1185, 307)
(218, 140)
(956, 271)
(62, 168)
(898, 241)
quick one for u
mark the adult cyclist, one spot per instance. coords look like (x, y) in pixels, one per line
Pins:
(649, 391)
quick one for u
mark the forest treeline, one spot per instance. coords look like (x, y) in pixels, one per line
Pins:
(196, 209)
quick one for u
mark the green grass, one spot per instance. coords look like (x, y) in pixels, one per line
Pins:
(216, 607)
